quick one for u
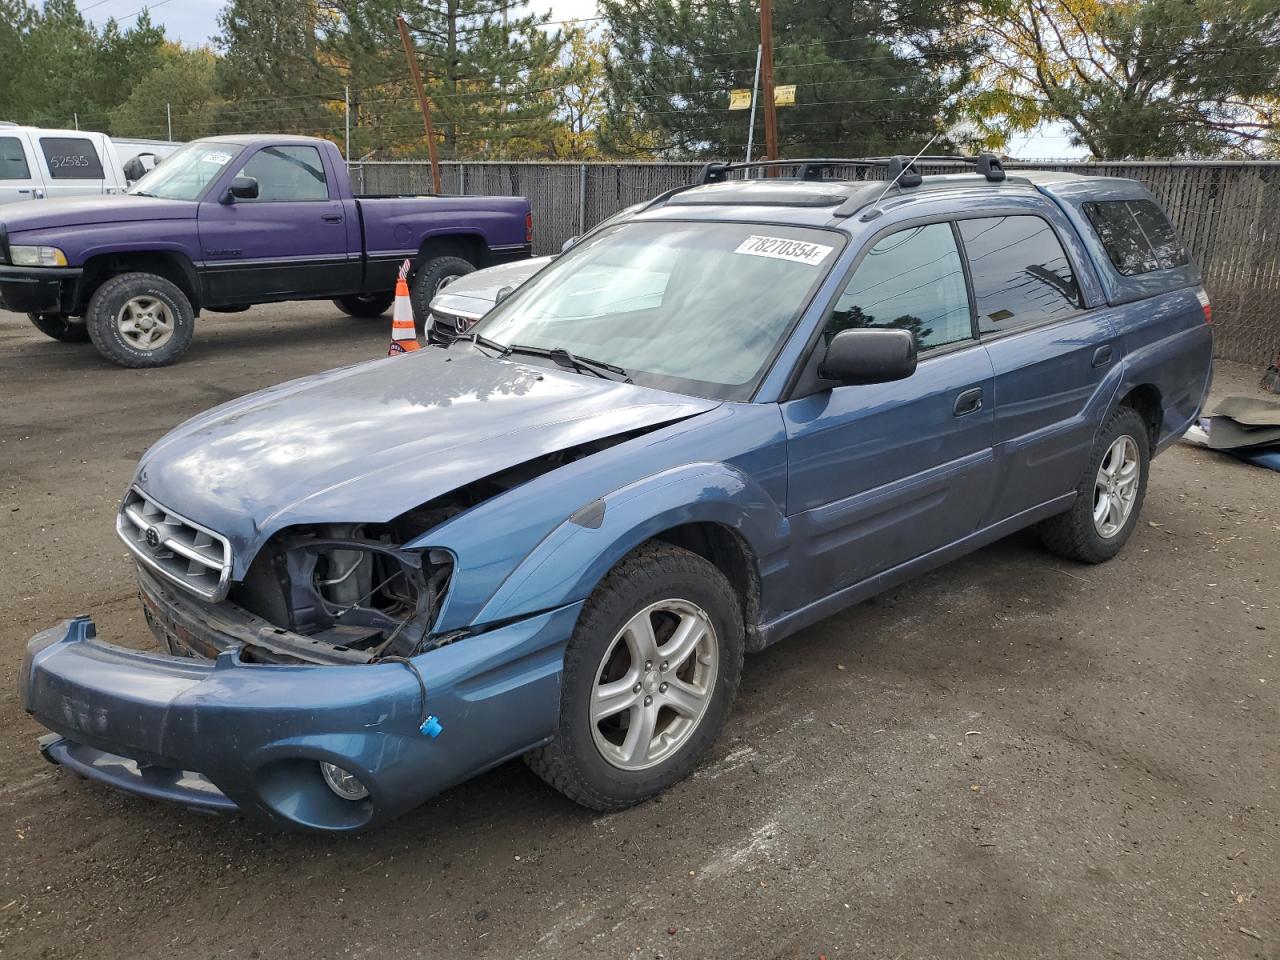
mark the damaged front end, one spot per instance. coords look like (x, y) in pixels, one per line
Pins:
(321, 594)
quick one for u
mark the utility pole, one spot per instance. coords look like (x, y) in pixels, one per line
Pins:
(346, 139)
(755, 95)
(766, 63)
(168, 113)
(412, 56)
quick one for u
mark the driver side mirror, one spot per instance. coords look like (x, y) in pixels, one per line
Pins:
(242, 188)
(869, 355)
(564, 248)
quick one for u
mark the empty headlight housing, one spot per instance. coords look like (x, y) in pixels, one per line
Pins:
(27, 256)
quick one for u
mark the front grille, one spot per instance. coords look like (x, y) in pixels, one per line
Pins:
(179, 549)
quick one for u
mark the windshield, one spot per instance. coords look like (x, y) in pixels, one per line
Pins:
(185, 174)
(699, 308)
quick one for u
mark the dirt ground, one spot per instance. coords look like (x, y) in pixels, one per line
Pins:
(1012, 757)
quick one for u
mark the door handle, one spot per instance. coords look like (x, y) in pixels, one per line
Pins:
(968, 402)
(1102, 356)
(332, 218)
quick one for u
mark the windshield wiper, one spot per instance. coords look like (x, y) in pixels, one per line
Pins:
(562, 357)
(483, 341)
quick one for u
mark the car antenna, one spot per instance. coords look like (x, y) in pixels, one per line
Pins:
(875, 207)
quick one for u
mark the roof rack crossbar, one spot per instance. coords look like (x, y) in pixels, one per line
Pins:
(987, 164)
(810, 168)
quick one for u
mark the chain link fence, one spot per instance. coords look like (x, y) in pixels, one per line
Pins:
(1229, 214)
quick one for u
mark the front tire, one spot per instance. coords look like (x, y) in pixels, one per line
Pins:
(60, 327)
(429, 278)
(140, 320)
(1109, 495)
(650, 674)
(365, 306)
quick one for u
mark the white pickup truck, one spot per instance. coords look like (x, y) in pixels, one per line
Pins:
(38, 163)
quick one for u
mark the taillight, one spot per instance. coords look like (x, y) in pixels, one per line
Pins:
(1203, 297)
(528, 227)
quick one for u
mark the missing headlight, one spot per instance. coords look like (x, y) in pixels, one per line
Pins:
(345, 587)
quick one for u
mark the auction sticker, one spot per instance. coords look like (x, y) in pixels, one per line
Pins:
(780, 248)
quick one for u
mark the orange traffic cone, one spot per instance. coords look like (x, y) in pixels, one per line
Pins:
(404, 336)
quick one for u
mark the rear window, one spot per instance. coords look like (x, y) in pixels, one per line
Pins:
(1137, 236)
(13, 160)
(71, 158)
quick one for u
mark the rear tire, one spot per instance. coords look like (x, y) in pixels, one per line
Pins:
(428, 280)
(60, 327)
(639, 707)
(1114, 485)
(365, 306)
(140, 320)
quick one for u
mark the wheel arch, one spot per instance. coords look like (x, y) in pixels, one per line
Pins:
(1146, 400)
(175, 267)
(713, 510)
(728, 551)
(467, 245)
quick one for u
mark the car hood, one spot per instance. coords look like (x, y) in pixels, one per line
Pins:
(369, 442)
(474, 295)
(82, 211)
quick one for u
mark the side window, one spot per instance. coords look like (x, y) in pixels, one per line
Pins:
(71, 158)
(1121, 237)
(13, 160)
(1137, 236)
(287, 173)
(1166, 245)
(1021, 274)
(912, 280)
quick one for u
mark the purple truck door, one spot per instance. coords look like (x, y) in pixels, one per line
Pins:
(291, 242)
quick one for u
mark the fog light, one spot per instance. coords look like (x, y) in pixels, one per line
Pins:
(342, 782)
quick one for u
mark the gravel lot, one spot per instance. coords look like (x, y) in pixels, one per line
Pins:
(1012, 757)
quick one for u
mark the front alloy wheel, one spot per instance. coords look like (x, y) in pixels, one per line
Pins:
(145, 323)
(654, 684)
(649, 676)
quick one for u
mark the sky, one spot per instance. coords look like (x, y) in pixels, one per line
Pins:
(193, 22)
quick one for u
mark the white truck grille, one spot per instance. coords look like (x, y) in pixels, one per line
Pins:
(179, 549)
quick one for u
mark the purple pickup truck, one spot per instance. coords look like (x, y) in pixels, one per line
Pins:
(229, 222)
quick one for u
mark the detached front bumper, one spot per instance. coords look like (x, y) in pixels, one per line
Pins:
(225, 735)
(39, 289)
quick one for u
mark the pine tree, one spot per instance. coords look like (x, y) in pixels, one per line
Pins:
(871, 77)
(270, 72)
(481, 60)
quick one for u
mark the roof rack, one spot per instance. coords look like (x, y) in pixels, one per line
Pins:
(899, 167)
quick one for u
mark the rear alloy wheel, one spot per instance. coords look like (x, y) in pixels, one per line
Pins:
(365, 305)
(430, 278)
(1109, 495)
(650, 674)
(60, 327)
(140, 320)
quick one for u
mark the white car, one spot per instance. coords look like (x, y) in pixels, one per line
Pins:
(466, 299)
(38, 163)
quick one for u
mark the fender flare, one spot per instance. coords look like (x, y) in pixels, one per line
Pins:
(572, 559)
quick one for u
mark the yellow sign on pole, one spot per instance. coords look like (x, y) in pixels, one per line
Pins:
(739, 99)
(784, 96)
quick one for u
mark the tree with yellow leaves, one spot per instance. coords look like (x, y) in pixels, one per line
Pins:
(1131, 78)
